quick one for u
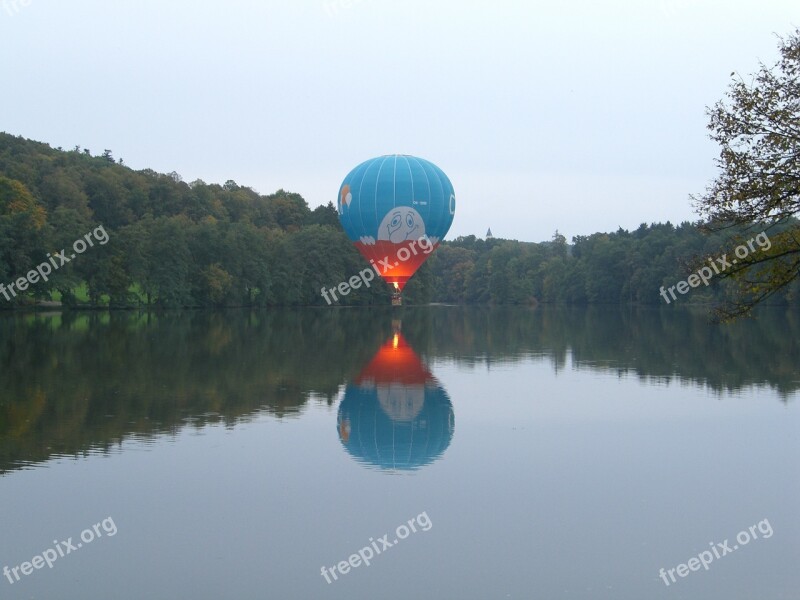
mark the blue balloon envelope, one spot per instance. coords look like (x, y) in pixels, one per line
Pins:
(396, 209)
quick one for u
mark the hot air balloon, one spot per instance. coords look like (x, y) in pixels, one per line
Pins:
(396, 209)
(396, 415)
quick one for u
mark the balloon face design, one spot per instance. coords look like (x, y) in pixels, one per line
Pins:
(396, 209)
(401, 224)
(401, 402)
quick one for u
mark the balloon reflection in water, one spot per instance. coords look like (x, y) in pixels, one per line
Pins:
(396, 415)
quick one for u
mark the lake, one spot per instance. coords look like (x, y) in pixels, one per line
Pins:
(424, 452)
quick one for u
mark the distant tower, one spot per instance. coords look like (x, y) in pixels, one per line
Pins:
(489, 234)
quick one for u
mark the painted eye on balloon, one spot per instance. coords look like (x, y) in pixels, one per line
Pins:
(395, 222)
(410, 221)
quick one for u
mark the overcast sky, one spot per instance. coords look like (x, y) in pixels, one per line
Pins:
(576, 116)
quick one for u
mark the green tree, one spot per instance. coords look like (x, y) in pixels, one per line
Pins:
(22, 228)
(324, 215)
(757, 127)
(290, 210)
(162, 262)
(218, 283)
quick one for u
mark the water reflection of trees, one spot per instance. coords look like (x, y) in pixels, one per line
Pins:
(74, 382)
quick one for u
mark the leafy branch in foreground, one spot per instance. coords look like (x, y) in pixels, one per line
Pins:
(757, 126)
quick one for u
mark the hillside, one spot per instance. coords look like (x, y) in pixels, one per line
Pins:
(152, 239)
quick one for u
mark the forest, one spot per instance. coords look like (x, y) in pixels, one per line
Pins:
(173, 244)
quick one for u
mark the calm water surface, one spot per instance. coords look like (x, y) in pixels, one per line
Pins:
(538, 453)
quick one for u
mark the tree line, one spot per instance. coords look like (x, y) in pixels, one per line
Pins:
(178, 244)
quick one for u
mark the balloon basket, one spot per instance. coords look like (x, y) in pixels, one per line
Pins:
(397, 299)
